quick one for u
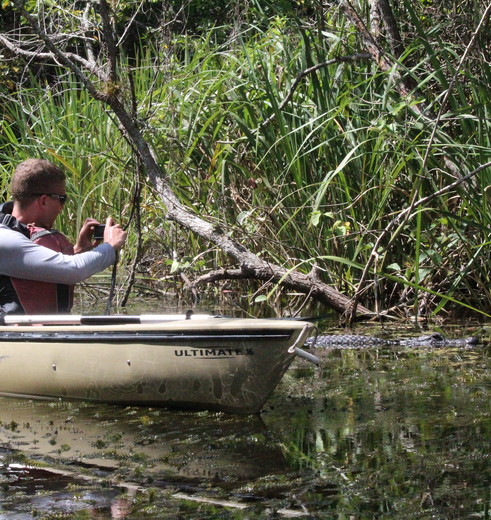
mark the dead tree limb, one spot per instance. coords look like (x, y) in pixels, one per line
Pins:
(293, 280)
(391, 27)
(108, 90)
(372, 45)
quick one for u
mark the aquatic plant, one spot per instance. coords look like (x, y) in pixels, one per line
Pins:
(289, 136)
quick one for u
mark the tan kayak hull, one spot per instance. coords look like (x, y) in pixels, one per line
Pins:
(227, 364)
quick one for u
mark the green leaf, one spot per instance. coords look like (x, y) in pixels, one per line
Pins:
(315, 218)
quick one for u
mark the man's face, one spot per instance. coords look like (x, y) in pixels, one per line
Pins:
(51, 206)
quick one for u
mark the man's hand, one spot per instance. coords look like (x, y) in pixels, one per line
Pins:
(114, 234)
(84, 240)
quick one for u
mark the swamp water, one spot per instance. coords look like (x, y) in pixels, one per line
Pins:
(374, 433)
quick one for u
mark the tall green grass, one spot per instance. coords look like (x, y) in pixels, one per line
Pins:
(64, 125)
(313, 183)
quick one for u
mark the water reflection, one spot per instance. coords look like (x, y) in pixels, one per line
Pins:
(144, 447)
(142, 443)
(375, 433)
(392, 433)
(38, 493)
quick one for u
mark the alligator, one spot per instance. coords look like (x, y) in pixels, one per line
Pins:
(353, 341)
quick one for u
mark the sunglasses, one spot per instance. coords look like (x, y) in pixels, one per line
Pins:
(61, 198)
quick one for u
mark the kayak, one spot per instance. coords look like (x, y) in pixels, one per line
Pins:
(197, 362)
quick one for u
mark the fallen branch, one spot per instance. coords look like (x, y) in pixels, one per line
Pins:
(292, 280)
(109, 92)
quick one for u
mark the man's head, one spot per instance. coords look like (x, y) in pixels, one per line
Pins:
(36, 177)
(38, 190)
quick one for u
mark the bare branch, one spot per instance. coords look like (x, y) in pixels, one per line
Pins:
(14, 48)
(129, 24)
(85, 27)
(64, 58)
(378, 54)
(112, 53)
(311, 70)
(394, 36)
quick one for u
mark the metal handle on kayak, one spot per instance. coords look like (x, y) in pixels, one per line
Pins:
(301, 353)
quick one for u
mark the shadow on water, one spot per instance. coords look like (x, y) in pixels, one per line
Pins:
(375, 433)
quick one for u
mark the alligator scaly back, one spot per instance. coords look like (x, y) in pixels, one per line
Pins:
(345, 341)
(356, 341)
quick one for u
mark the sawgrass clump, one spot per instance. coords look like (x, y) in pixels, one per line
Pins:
(306, 170)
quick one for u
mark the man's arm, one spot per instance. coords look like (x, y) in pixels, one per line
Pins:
(21, 258)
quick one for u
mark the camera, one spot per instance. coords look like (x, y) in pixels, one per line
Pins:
(99, 232)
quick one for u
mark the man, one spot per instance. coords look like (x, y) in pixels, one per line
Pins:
(38, 265)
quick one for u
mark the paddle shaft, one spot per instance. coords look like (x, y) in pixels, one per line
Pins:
(69, 319)
(308, 357)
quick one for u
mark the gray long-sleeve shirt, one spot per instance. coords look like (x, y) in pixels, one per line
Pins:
(21, 258)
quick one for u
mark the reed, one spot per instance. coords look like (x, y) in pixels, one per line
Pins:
(311, 183)
(64, 125)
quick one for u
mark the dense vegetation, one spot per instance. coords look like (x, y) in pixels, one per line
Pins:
(277, 125)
